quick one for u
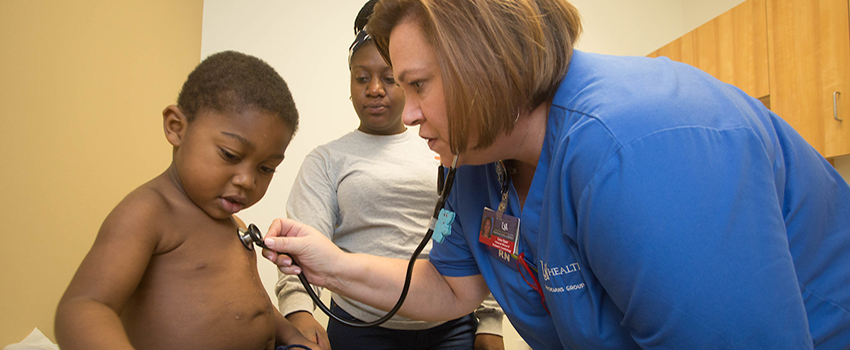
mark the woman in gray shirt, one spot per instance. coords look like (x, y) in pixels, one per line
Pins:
(373, 191)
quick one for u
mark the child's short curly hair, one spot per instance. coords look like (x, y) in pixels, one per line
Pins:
(230, 80)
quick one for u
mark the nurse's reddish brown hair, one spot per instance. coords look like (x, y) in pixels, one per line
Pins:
(498, 58)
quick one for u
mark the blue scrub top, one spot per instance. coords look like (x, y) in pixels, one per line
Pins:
(667, 210)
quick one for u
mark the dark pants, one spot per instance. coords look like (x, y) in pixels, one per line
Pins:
(457, 334)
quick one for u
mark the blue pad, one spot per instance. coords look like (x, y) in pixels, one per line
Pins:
(443, 227)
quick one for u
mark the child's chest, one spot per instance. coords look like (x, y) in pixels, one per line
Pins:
(209, 255)
(207, 283)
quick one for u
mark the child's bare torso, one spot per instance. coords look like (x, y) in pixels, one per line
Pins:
(201, 289)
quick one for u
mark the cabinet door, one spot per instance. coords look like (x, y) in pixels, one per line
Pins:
(681, 49)
(810, 55)
(835, 74)
(733, 48)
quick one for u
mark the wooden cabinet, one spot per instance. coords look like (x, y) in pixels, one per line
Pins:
(681, 49)
(794, 55)
(733, 48)
(809, 44)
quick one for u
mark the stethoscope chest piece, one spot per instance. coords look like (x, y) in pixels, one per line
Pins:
(250, 237)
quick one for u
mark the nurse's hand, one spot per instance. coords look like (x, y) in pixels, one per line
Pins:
(314, 253)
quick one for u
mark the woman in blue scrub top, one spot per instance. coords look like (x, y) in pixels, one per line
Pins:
(638, 203)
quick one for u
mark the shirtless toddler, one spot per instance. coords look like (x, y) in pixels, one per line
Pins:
(167, 270)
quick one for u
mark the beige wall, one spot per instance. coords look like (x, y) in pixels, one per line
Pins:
(82, 85)
(696, 12)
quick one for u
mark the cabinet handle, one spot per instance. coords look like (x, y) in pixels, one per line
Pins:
(835, 106)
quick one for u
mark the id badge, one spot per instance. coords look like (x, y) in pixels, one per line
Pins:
(505, 258)
(499, 231)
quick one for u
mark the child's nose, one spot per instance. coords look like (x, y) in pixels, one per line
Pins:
(245, 180)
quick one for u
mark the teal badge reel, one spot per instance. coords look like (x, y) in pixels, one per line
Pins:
(443, 227)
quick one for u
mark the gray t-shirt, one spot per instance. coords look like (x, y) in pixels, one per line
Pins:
(372, 194)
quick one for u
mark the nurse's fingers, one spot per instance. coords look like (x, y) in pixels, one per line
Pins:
(283, 261)
(273, 241)
(290, 270)
(312, 250)
(274, 228)
(282, 227)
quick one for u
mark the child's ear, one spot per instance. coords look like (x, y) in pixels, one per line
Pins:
(175, 123)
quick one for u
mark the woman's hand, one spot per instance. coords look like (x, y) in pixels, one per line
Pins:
(301, 340)
(314, 253)
(484, 341)
(310, 328)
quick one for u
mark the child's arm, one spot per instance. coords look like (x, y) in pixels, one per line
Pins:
(287, 333)
(88, 314)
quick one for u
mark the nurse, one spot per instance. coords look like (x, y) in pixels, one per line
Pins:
(637, 203)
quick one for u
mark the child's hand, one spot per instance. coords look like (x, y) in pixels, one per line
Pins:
(315, 254)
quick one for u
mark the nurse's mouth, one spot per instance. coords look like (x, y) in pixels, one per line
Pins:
(432, 143)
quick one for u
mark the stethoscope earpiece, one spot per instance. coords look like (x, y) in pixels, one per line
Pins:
(250, 237)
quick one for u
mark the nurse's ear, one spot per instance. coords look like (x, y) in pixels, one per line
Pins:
(174, 123)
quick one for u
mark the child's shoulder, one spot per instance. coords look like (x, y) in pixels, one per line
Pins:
(146, 200)
(145, 209)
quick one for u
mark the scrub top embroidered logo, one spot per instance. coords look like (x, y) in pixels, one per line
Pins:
(557, 271)
(553, 272)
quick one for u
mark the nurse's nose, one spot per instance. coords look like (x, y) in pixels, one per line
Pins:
(412, 114)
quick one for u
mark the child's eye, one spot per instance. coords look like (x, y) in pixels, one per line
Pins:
(362, 80)
(229, 156)
(389, 80)
(267, 170)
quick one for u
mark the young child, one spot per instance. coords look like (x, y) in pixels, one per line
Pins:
(167, 270)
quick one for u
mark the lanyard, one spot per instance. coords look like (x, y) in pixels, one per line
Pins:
(536, 286)
(504, 177)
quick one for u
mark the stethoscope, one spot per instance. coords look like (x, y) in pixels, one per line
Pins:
(252, 236)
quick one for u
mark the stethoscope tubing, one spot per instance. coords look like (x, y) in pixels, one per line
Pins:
(253, 234)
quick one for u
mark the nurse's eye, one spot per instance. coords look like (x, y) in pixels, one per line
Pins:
(389, 81)
(417, 85)
(362, 80)
(228, 156)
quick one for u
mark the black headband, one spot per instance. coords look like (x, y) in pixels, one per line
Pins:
(361, 38)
